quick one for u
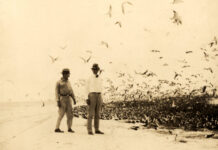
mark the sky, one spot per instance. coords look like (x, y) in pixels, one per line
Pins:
(33, 30)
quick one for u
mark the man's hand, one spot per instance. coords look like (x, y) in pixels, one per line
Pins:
(74, 102)
(88, 101)
(59, 103)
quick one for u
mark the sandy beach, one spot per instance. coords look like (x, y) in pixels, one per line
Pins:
(26, 125)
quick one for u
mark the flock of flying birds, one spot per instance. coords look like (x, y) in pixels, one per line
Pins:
(115, 90)
(175, 19)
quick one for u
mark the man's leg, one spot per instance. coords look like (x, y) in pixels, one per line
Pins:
(61, 112)
(98, 112)
(91, 111)
(69, 114)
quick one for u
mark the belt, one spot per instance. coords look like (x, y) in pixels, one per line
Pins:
(64, 94)
(95, 92)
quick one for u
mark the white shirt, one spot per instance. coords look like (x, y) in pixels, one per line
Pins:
(94, 84)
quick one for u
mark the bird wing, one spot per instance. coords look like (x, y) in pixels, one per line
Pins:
(56, 58)
(174, 15)
(211, 70)
(123, 7)
(206, 55)
(176, 18)
(105, 43)
(88, 59)
(144, 73)
(52, 59)
(119, 23)
(211, 44)
(83, 59)
(109, 11)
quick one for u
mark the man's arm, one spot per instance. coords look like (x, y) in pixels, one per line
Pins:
(57, 94)
(72, 94)
(73, 97)
(57, 89)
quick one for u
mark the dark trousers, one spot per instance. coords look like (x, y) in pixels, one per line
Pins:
(94, 110)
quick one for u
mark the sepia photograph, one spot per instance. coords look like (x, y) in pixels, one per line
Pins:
(108, 75)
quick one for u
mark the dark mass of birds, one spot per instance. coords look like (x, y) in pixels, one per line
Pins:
(186, 113)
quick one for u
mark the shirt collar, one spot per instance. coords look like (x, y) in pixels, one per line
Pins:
(62, 79)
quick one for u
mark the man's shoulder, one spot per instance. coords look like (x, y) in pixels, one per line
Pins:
(59, 81)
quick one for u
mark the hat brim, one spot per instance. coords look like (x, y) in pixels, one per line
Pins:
(95, 68)
(65, 72)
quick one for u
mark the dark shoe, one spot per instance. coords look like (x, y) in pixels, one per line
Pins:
(70, 130)
(58, 130)
(99, 132)
(90, 133)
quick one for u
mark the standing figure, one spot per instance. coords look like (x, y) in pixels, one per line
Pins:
(94, 101)
(64, 93)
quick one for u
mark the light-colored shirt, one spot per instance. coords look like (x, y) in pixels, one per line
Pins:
(94, 84)
(63, 87)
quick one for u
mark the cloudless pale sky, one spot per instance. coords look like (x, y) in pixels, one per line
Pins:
(31, 30)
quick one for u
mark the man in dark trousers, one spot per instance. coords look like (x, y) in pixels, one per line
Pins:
(94, 101)
(64, 93)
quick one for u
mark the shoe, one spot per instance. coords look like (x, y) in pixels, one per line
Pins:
(58, 130)
(70, 130)
(90, 133)
(99, 132)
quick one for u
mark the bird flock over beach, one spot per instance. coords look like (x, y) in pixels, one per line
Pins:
(148, 84)
(143, 89)
(143, 94)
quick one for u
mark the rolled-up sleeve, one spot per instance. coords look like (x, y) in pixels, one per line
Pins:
(57, 92)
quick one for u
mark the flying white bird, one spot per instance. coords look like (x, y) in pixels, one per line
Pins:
(123, 6)
(86, 60)
(88, 51)
(206, 55)
(176, 18)
(214, 42)
(187, 52)
(118, 23)
(105, 43)
(53, 59)
(155, 51)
